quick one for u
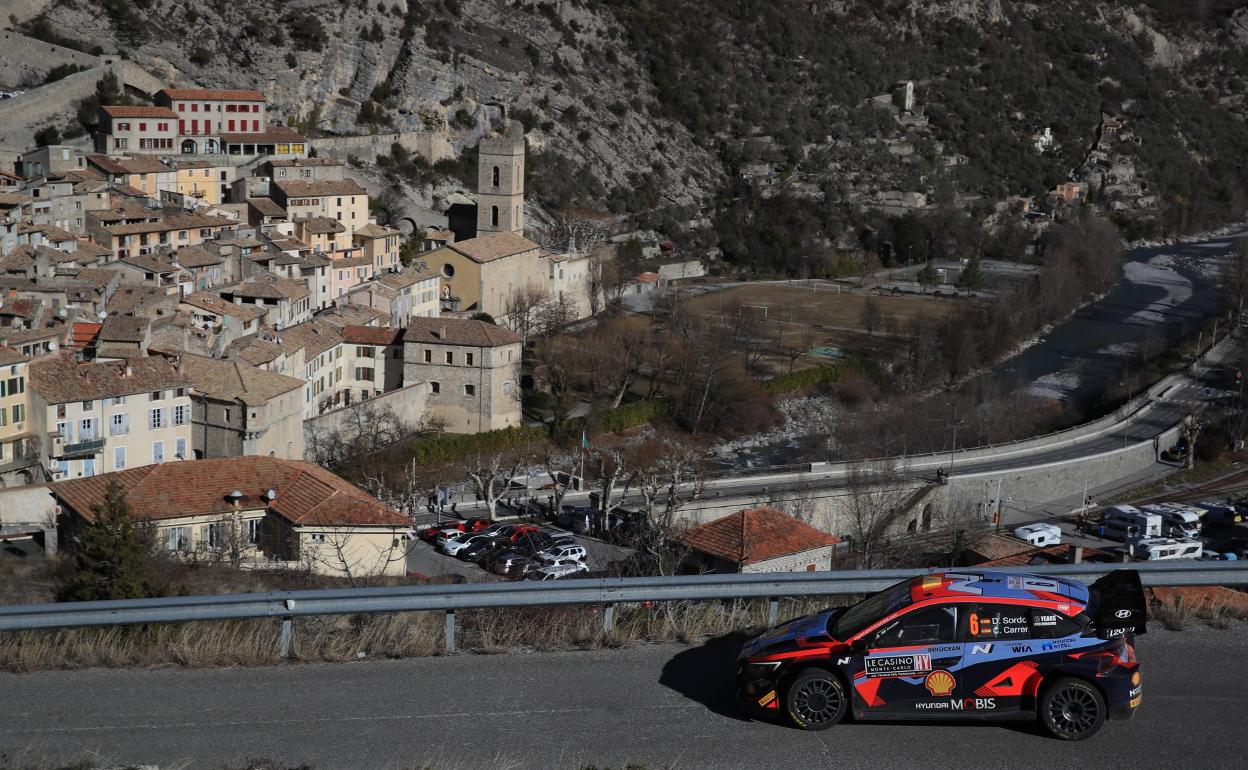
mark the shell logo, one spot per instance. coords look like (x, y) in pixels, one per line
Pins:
(1135, 678)
(939, 683)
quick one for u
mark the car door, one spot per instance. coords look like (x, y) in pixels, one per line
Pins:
(910, 665)
(1000, 668)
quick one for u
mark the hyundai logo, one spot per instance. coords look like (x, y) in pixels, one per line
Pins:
(1122, 614)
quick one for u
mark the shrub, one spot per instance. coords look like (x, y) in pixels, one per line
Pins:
(632, 414)
(436, 448)
(201, 57)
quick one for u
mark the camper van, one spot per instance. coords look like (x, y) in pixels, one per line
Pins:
(1039, 535)
(1158, 548)
(1126, 522)
(1176, 520)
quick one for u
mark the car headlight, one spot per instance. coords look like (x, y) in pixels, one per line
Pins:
(762, 669)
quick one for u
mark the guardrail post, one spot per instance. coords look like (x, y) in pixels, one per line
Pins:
(608, 618)
(288, 624)
(773, 612)
(450, 630)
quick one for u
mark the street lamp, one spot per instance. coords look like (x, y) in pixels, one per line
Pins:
(953, 451)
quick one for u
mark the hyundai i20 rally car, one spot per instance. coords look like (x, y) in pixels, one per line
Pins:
(964, 644)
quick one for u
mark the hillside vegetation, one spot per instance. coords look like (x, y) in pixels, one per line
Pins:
(658, 107)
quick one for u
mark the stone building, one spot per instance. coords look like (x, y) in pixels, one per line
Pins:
(239, 409)
(471, 370)
(500, 183)
(762, 539)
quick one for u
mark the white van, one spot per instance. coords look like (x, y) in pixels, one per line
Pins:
(1126, 522)
(1176, 520)
(1158, 548)
(1039, 535)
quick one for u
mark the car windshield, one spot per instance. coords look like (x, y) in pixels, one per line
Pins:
(869, 610)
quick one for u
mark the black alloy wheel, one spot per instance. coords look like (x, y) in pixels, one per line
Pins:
(816, 699)
(1072, 709)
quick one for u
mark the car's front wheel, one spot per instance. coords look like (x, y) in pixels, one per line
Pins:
(816, 699)
(1072, 709)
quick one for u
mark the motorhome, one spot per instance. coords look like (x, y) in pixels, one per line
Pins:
(1177, 520)
(1126, 522)
(1039, 535)
(1158, 548)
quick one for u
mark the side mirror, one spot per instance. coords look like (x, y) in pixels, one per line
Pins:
(858, 646)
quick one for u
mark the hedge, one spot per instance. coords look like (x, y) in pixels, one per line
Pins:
(436, 448)
(631, 415)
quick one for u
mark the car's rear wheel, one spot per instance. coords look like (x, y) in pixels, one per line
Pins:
(1072, 709)
(816, 699)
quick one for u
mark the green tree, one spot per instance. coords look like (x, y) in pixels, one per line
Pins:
(111, 561)
(927, 277)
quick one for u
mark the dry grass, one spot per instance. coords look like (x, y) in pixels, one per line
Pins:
(1216, 606)
(399, 635)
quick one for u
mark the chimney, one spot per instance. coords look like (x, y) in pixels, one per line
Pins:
(129, 370)
(442, 332)
(1077, 555)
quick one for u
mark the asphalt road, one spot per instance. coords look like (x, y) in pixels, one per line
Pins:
(664, 706)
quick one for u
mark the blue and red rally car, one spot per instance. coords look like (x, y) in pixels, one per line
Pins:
(970, 644)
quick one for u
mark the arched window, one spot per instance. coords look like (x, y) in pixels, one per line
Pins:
(494, 216)
(495, 176)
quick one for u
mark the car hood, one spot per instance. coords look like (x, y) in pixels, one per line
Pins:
(800, 628)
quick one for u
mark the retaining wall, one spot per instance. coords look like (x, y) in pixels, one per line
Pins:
(430, 145)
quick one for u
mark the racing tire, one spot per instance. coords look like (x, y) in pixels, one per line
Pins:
(816, 699)
(1072, 709)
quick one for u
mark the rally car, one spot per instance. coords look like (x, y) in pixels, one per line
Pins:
(970, 644)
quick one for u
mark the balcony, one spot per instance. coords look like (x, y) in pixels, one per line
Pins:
(83, 449)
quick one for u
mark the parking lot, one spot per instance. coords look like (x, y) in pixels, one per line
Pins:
(424, 559)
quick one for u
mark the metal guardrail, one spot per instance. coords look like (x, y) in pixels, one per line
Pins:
(287, 605)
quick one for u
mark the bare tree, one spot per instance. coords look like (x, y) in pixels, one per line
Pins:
(877, 499)
(872, 316)
(575, 230)
(594, 281)
(364, 428)
(389, 205)
(491, 477)
(560, 468)
(524, 309)
(669, 477)
(613, 478)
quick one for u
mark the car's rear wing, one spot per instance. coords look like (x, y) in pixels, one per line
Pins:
(1117, 605)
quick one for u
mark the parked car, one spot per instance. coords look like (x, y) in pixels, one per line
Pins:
(566, 551)
(1220, 514)
(457, 545)
(1208, 555)
(521, 531)
(447, 534)
(482, 549)
(508, 563)
(958, 644)
(564, 569)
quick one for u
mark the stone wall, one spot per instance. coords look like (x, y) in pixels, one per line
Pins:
(407, 402)
(29, 508)
(430, 145)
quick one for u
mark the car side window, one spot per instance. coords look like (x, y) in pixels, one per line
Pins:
(1049, 624)
(929, 625)
(996, 621)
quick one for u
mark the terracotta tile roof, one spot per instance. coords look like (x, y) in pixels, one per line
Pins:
(196, 256)
(458, 331)
(255, 350)
(214, 304)
(406, 277)
(270, 287)
(22, 308)
(313, 337)
(139, 164)
(170, 222)
(10, 356)
(136, 298)
(124, 328)
(754, 535)
(371, 230)
(212, 94)
(306, 494)
(372, 335)
(1053, 554)
(266, 207)
(82, 335)
(360, 261)
(647, 278)
(236, 380)
(181, 164)
(991, 546)
(138, 111)
(321, 225)
(301, 188)
(146, 263)
(56, 234)
(355, 315)
(60, 380)
(486, 248)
